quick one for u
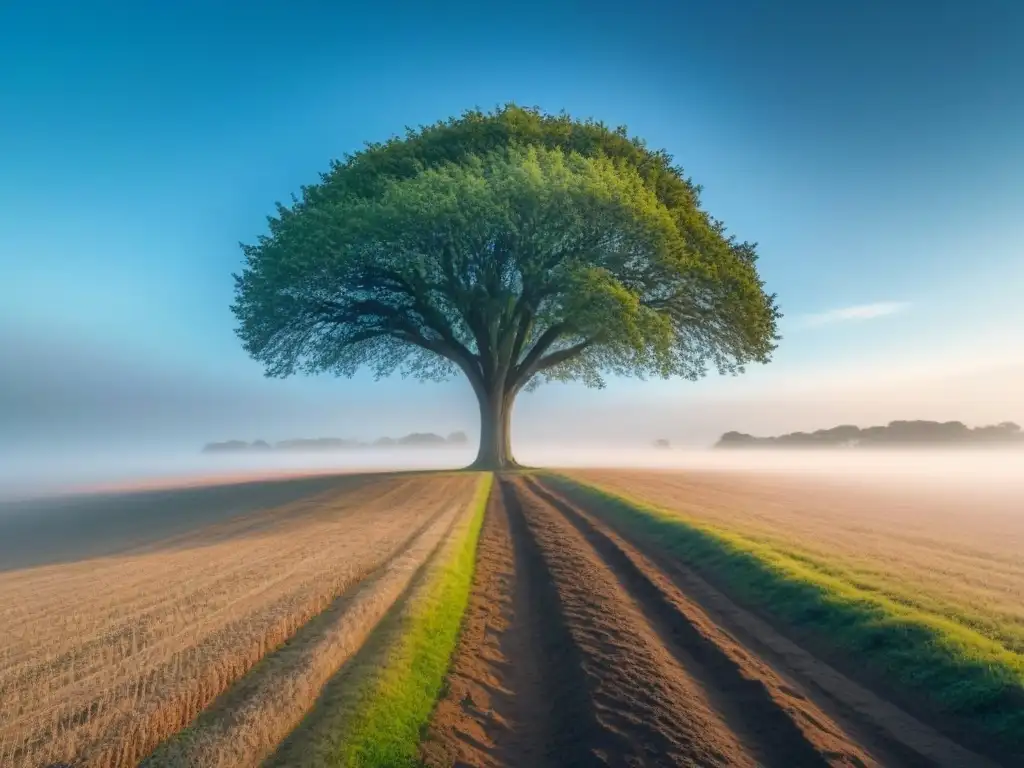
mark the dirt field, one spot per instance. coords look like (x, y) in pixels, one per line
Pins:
(204, 623)
(579, 649)
(958, 553)
(104, 658)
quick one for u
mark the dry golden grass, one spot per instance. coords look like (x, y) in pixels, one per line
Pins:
(101, 660)
(244, 726)
(953, 552)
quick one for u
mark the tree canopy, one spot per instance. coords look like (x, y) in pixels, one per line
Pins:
(512, 246)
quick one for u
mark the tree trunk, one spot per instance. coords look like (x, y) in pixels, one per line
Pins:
(495, 431)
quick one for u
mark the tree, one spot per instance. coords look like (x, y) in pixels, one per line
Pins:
(512, 246)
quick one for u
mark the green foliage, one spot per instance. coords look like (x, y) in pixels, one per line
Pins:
(398, 700)
(509, 245)
(958, 671)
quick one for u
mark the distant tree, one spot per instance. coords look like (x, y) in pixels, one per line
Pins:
(511, 246)
(458, 438)
(896, 433)
(228, 446)
(421, 438)
(662, 443)
(735, 440)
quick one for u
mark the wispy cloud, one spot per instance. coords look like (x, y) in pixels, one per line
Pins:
(857, 312)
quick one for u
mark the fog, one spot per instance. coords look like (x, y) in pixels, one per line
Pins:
(975, 469)
(980, 468)
(41, 475)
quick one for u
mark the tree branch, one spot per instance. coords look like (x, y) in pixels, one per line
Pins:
(542, 345)
(547, 362)
(522, 334)
(441, 348)
(401, 326)
(562, 356)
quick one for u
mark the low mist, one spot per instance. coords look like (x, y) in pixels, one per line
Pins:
(974, 469)
(41, 475)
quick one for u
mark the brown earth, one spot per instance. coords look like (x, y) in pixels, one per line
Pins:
(579, 649)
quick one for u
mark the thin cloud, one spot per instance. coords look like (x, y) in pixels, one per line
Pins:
(857, 312)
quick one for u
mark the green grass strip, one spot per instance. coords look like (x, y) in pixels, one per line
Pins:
(959, 672)
(399, 699)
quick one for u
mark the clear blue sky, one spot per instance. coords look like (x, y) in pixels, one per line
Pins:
(874, 149)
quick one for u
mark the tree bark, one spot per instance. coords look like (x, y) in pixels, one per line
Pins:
(495, 452)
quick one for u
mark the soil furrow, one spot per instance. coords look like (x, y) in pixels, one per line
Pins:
(568, 671)
(655, 709)
(517, 692)
(475, 720)
(558, 719)
(750, 701)
(815, 694)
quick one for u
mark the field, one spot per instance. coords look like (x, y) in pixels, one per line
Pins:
(103, 659)
(588, 617)
(956, 553)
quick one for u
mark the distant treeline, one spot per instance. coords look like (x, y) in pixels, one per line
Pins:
(896, 433)
(326, 444)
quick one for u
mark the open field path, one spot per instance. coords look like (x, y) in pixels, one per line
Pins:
(578, 649)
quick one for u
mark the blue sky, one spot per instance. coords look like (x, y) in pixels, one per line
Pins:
(875, 150)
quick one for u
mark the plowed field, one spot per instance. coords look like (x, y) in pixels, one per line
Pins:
(581, 649)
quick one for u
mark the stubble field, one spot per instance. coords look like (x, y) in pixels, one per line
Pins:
(104, 659)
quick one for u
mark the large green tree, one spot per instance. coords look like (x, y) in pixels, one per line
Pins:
(512, 246)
